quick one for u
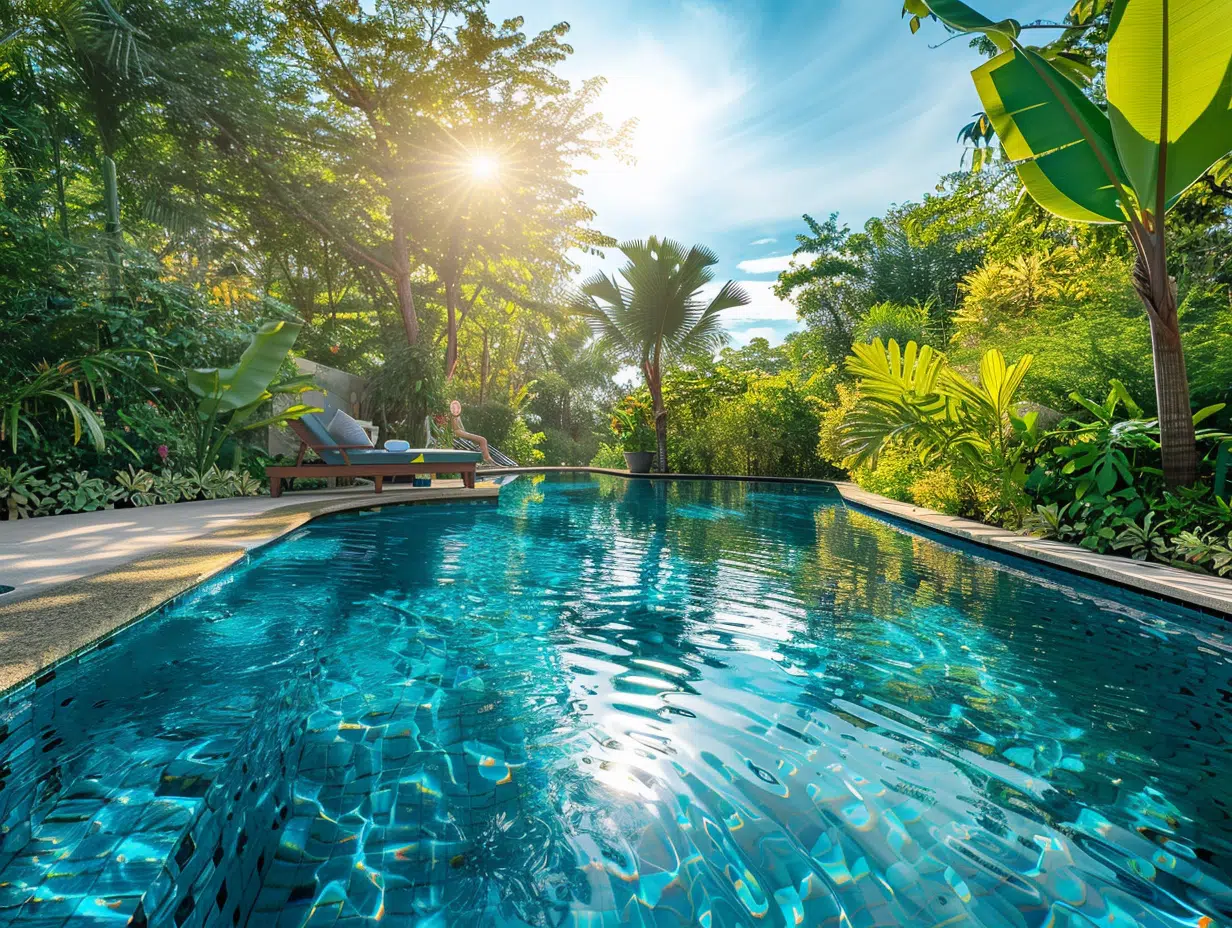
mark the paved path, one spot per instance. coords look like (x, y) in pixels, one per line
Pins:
(38, 554)
(79, 578)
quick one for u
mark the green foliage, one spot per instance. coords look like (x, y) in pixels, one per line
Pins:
(228, 398)
(1095, 487)
(657, 316)
(27, 492)
(609, 457)
(769, 430)
(137, 487)
(888, 322)
(632, 425)
(522, 444)
(912, 398)
(20, 490)
(60, 386)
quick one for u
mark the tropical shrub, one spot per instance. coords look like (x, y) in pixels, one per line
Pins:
(769, 430)
(1097, 486)
(911, 398)
(893, 322)
(24, 400)
(522, 444)
(609, 457)
(228, 398)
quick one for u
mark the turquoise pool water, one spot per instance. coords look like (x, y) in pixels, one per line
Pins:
(606, 702)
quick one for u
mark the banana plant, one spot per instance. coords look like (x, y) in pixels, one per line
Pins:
(1168, 120)
(229, 397)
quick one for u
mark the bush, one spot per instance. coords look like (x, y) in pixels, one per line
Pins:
(609, 457)
(521, 444)
(29, 492)
(940, 490)
(892, 475)
(562, 447)
(1097, 487)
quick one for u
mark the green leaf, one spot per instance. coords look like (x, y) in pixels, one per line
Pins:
(1120, 392)
(1207, 411)
(297, 411)
(1189, 42)
(959, 16)
(229, 388)
(1061, 142)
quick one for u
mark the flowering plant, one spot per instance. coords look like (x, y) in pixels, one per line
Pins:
(632, 425)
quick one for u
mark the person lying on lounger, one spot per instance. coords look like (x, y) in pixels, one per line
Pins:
(455, 410)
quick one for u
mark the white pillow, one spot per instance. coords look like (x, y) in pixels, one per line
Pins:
(346, 431)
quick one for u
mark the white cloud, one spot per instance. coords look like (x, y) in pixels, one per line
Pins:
(763, 305)
(763, 241)
(772, 265)
(742, 337)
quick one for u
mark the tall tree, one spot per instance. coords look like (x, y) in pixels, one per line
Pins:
(658, 314)
(1168, 82)
(458, 125)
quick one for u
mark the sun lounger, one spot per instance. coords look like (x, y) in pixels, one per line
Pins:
(365, 461)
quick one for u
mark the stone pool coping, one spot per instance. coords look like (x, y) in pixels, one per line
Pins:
(44, 626)
(1209, 593)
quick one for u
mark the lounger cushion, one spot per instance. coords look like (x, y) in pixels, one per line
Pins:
(346, 431)
(414, 456)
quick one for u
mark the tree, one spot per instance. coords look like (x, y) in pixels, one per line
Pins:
(458, 128)
(902, 258)
(1168, 81)
(658, 314)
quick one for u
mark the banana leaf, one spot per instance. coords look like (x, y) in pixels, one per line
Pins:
(225, 389)
(1169, 85)
(1062, 143)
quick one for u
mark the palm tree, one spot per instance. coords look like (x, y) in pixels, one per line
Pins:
(658, 314)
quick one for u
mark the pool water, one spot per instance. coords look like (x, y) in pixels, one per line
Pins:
(607, 702)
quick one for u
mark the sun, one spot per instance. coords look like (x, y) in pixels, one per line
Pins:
(484, 167)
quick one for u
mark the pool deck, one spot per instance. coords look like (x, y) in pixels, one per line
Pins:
(1212, 594)
(80, 577)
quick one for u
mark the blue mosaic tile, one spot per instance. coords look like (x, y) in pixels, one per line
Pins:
(621, 704)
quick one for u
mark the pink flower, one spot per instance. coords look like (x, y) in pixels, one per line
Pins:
(163, 451)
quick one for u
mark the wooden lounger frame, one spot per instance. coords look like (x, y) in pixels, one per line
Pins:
(378, 472)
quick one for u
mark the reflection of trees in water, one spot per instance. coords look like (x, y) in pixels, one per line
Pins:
(1087, 694)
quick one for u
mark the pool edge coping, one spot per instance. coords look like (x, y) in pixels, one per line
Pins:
(1204, 592)
(42, 631)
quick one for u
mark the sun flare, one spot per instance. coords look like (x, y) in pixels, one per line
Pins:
(484, 167)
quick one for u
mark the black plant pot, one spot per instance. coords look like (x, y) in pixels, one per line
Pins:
(638, 462)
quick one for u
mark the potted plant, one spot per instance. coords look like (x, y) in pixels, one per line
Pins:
(634, 433)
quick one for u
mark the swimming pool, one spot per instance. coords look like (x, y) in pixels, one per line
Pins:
(613, 702)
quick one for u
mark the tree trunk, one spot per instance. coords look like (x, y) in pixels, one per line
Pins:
(1178, 449)
(112, 229)
(485, 367)
(1157, 290)
(451, 328)
(654, 383)
(402, 280)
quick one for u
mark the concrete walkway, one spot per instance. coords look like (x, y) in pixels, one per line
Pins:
(37, 554)
(81, 577)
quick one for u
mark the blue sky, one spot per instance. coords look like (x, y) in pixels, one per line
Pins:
(752, 112)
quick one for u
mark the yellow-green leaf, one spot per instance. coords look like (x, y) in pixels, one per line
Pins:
(957, 15)
(1061, 141)
(1189, 41)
